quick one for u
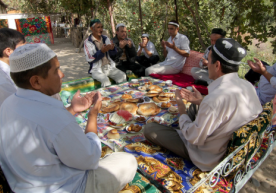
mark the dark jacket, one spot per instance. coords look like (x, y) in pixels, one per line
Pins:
(99, 55)
(130, 52)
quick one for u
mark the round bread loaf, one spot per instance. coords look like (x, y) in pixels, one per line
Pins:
(167, 94)
(138, 100)
(155, 99)
(113, 134)
(166, 105)
(152, 94)
(155, 88)
(110, 108)
(148, 109)
(126, 96)
(163, 99)
(130, 107)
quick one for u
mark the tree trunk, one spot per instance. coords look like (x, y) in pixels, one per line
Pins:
(176, 14)
(196, 24)
(111, 18)
(165, 23)
(140, 13)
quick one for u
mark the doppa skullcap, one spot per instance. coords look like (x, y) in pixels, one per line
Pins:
(29, 56)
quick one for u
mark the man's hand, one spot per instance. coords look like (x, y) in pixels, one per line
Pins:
(170, 45)
(129, 43)
(105, 48)
(79, 104)
(163, 44)
(257, 66)
(97, 105)
(142, 45)
(204, 61)
(122, 43)
(193, 97)
(111, 45)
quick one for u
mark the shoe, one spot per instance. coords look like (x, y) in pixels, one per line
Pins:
(201, 82)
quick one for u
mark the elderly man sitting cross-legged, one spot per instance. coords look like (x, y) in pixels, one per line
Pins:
(231, 103)
(43, 149)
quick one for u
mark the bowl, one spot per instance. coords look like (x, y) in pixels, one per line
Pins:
(189, 88)
(134, 80)
(169, 82)
(141, 127)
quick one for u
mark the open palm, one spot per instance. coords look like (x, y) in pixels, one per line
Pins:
(80, 104)
(193, 97)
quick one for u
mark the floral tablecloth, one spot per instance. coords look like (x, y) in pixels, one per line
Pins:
(115, 92)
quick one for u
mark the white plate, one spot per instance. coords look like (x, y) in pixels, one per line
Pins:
(175, 112)
(119, 127)
(133, 131)
(154, 120)
(160, 105)
(140, 88)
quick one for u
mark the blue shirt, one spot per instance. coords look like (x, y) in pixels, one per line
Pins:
(43, 149)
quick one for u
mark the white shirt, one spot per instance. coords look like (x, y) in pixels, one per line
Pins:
(266, 90)
(150, 47)
(43, 149)
(231, 103)
(173, 58)
(7, 86)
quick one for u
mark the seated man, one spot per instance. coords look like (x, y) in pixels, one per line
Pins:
(201, 75)
(9, 40)
(97, 49)
(43, 149)
(267, 85)
(231, 103)
(176, 49)
(148, 49)
(126, 53)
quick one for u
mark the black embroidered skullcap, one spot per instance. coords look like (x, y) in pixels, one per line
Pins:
(229, 51)
(219, 31)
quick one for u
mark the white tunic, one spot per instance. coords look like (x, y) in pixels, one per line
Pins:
(231, 103)
(43, 149)
(174, 59)
(7, 86)
(150, 47)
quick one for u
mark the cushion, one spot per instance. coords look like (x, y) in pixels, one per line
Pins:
(182, 80)
(192, 61)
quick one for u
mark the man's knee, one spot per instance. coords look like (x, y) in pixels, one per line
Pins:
(149, 130)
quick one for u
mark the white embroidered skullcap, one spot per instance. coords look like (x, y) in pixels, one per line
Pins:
(29, 56)
(145, 35)
(120, 25)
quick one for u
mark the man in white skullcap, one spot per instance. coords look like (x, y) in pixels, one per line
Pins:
(43, 149)
(147, 48)
(126, 53)
(98, 49)
(176, 49)
(10, 39)
(231, 103)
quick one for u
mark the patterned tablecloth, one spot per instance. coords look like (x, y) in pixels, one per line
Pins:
(115, 92)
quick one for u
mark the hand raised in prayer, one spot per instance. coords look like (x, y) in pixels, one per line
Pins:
(97, 104)
(122, 43)
(193, 97)
(129, 43)
(180, 104)
(142, 45)
(204, 61)
(80, 104)
(105, 48)
(170, 45)
(163, 44)
(111, 45)
(257, 66)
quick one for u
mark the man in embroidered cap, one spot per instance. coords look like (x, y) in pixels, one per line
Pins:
(231, 103)
(176, 50)
(43, 149)
(126, 55)
(201, 75)
(146, 47)
(98, 49)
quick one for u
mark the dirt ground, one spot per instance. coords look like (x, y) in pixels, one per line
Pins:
(74, 66)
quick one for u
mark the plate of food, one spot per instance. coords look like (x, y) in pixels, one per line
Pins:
(154, 120)
(142, 88)
(173, 110)
(120, 119)
(133, 128)
(140, 119)
(164, 105)
(134, 85)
